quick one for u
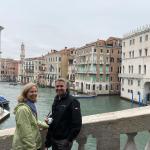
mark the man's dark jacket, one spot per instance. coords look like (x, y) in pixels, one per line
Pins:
(67, 119)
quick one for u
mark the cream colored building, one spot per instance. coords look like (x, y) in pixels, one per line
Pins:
(53, 67)
(135, 73)
(39, 71)
(28, 70)
(92, 68)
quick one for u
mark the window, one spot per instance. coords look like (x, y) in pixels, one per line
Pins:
(106, 87)
(132, 54)
(139, 82)
(123, 55)
(100, 87)
(101, 50)
(112, 51)
(118, 60)
(132, 69)
(111, 69)
(107, 68)
(131, 82)
(139, 69)
(118, 69)
(101, 78)
(129, 54)
(144, 69)
(101, 68)
(107, 51)
(128, 82)
(124, 44)
(133, 41)
(122, 89)
(146, 51)
(123, 69)
(95, 50)
(117, 87)
(130, 42)
(107, 78)
(93, 86)
(140, 39)
(111, 59)
(111, 87)
(119, 79)
(110, 78)
(59, 58)
(146, 37)
(140, 52)
(129, 69)
(122, 81)
(107, 59)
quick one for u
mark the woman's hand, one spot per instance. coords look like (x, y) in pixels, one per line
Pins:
(46, 120)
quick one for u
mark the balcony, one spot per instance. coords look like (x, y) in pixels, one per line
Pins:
(134, 76)
(105, 128)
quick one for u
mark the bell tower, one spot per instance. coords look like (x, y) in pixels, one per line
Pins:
(22, 55)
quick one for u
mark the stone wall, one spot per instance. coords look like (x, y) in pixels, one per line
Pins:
(106, 128)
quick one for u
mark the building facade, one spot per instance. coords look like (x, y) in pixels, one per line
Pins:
(93, 67)
(9, 70)
(39, 71)
(115, 64)
(135, 73)
(53, 67)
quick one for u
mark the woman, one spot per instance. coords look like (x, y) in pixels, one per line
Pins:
(27, 135)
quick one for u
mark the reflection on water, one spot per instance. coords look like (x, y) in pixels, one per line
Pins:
(91, 106)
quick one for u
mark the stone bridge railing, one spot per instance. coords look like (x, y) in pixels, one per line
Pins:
(106, 128)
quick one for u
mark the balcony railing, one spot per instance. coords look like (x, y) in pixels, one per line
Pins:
(136, 76)
(105, 128)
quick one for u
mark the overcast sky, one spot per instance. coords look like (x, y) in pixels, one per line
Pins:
(53, 24)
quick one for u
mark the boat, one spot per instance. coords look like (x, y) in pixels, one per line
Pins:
(13, 83)
(83, 96)
(3, 102)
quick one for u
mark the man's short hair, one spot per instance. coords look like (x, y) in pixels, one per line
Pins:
(61, 79)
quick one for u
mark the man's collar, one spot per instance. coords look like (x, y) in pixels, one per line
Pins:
(61, 96)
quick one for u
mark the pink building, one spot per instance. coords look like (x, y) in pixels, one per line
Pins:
(9, 70)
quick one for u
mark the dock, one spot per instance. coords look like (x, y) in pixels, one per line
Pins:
(4, 114)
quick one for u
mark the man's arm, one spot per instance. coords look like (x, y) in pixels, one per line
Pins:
(76, 120)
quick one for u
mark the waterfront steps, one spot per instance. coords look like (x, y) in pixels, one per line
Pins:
(106, 128)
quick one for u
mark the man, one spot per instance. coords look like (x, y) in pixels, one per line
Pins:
(66, 119)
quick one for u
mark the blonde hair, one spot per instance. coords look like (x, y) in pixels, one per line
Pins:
(25, 90)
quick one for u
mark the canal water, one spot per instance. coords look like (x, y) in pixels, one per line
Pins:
(96, 105)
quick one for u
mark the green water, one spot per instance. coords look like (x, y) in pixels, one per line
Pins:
(96, 105)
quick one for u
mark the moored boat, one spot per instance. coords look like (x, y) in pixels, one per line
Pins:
(3, 102)
(83, 96)
(13, 83)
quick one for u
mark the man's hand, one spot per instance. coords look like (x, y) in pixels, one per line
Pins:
(64, 144)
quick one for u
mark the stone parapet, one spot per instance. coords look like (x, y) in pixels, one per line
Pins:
(106, 128)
